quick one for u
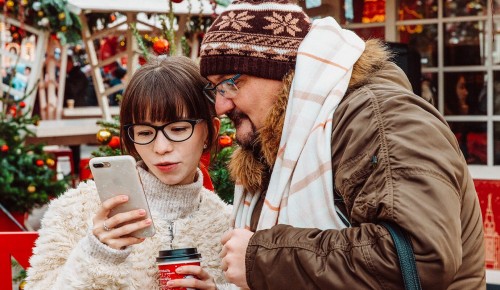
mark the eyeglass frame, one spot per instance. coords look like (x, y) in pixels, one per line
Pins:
(161, 128)
(209, 87)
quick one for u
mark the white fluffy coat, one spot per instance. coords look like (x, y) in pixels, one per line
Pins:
(63, 260)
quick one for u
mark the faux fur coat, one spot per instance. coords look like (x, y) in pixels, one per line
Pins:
(62, 260)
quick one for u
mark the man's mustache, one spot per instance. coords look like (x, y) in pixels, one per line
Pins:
(254, 144)
(236, 116)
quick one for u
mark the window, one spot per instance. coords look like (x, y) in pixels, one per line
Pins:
(459, 45)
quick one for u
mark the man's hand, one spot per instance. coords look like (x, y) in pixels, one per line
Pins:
(234, 247)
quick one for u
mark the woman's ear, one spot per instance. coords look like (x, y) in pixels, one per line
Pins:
(216, 124)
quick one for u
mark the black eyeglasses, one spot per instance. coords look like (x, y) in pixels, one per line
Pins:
(226, 88)
(176, 131)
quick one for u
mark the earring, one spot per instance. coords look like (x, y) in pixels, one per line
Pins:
(205, 146)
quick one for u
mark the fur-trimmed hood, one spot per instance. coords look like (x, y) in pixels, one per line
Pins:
(254, 173)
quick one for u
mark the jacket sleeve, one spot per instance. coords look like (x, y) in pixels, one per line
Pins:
(68, 256)
(414, 181)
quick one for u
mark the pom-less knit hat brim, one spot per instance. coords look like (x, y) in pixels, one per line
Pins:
(230, 64)
(258, 38)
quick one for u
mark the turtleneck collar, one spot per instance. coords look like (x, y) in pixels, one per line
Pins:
(170, 201)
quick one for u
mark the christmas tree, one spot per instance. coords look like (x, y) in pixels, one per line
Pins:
(26, 178)
(50, 15)
(109, 138)
(223, 185)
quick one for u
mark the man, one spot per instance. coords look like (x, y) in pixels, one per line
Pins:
(76, 85)
(332, 143)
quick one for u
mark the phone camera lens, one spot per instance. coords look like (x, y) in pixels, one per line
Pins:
(98, 165)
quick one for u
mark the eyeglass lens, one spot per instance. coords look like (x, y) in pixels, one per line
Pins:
(228, 89)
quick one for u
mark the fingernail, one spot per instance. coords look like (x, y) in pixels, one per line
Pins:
(124, 197)
(170, 283)
(148, 221)
(142, 212)
(179, 270)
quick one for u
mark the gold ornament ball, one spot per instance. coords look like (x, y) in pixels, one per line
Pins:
(24, 2)
(10, 3)
(50, 162)
(22, 285)
(104, 136)
(64, 28)
(40, 13)
(31, 188)
(61, 16)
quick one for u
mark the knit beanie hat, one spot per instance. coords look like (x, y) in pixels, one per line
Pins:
(254, 37)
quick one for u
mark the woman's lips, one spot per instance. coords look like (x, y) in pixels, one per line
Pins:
(166, 167)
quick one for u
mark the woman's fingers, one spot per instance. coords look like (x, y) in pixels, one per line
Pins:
(108, 205)
(120, 238)
(125, 217)
(127, 229)
(196, 278)
(114, 231)
(195, 271)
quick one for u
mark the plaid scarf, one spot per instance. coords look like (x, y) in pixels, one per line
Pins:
(300, 191)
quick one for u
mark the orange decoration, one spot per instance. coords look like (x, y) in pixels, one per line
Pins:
(39, 162)
(161, 46)
(225, 141)
(4, 148)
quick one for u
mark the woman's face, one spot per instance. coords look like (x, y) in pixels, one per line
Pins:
(174, 162)
(461, 89)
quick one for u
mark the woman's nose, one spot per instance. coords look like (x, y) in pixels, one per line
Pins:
(161, 144)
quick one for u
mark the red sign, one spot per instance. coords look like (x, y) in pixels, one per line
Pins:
(488, 192)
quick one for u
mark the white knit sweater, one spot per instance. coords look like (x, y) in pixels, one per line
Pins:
(68, 256)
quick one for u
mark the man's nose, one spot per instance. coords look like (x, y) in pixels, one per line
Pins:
(223, 105)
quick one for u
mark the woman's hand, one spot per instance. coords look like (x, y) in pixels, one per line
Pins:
(115, 231)
(201, 279)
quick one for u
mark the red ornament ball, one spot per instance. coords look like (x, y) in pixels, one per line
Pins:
(225, 141)
(115, 142)
(161, 46)
(22, 104)
(39, 162)
(177, 1)
(4, 148)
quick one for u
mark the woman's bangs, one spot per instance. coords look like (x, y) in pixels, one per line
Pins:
(152, 106)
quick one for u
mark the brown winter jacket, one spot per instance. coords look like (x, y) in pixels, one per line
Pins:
(418, 179)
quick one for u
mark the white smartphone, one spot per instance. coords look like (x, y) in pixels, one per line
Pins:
(117, 175)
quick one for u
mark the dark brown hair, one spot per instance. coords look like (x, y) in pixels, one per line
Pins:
(165, 89)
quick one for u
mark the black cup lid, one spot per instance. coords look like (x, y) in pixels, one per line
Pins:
(178, 254)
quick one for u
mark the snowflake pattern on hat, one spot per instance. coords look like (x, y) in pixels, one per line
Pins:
(258, 38)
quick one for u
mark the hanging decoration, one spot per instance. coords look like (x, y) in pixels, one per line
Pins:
(161, 46)
(52, 16)
(104, 136)
(109, 138)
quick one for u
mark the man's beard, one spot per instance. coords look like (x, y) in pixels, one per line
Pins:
(250, 141)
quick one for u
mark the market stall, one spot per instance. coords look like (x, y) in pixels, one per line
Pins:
(130, 12)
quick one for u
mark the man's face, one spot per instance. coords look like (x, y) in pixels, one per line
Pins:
(249, 107)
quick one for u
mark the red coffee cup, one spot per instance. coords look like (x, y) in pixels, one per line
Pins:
(169, 260)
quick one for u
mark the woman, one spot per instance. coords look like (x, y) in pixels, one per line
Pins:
(456, 95)
(81, 247)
